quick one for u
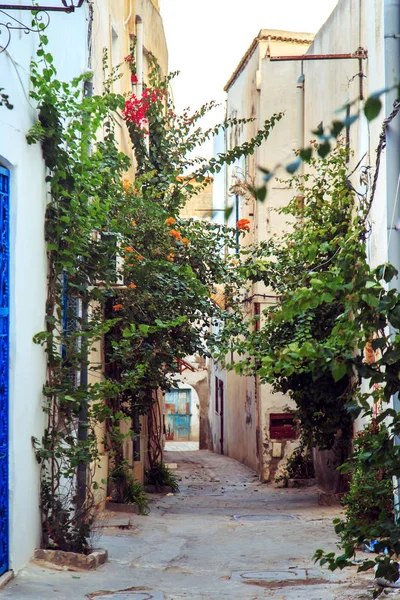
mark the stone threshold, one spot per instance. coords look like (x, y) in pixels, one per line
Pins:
(6, 578)
(71, 561)
(122, 508)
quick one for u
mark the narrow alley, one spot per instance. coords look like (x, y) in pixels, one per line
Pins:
(224, 536)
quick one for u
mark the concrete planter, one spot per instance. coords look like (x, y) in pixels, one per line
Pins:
(158, 489)
(301, 483)
(122, 508)
(71, 560)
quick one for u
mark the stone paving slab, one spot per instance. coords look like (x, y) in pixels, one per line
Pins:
(181, 446)
(266, 517)
(148, 595)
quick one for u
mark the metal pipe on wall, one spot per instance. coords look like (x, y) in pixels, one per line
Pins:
(300, 111)
(392, 78)
(139, 56)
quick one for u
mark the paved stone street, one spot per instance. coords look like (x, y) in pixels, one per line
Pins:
(225, 536)
(181, 446)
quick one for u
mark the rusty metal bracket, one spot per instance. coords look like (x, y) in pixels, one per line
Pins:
(9, 22)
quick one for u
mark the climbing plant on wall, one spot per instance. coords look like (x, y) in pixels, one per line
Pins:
(123, 268)
(331, 342)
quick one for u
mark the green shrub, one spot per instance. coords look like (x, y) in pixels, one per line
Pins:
(127, 490)
(160, 475)
(370, 497)
(298, 466)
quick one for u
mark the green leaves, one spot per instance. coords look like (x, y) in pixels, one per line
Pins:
(339, 370)
(372, 108)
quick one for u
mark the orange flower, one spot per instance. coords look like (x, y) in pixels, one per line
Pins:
(132, 286)
(243, 224)
(134, 223)
(139, 257)
(171, 257)
(175, 234)
(129, 249)
(185, 241)
(108, 498)
(126, 184)
(170, 221)
(131, 265)
(117, 307)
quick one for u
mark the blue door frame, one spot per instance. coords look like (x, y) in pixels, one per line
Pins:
(4, 359)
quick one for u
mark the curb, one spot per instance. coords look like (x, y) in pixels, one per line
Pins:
(72, 560)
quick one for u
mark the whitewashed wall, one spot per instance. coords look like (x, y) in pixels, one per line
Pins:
(67, 42)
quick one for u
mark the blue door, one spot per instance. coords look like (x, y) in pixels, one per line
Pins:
(4, 348)
(177, 407)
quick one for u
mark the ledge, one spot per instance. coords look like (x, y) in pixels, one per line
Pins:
(6, 578)
(159, 489)
(71, 560)
(122, 508)
(301, 483)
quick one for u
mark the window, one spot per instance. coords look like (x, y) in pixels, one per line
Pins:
(281, 426)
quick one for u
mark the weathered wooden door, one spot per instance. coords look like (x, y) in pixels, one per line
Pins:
(177, 404)
(4, 350)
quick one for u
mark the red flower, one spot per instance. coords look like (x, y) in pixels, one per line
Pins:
(134, 78)
(128, 58)
(243, 224)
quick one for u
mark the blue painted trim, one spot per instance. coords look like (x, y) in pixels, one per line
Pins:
(4, 365)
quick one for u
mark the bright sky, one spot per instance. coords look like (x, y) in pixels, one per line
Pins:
(207, 38)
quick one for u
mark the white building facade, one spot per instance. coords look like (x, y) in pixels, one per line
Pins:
(77, 32)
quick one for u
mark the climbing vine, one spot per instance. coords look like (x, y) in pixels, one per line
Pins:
(331, 342)
(126, 275)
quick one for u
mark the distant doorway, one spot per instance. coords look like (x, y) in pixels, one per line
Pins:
(178, 405)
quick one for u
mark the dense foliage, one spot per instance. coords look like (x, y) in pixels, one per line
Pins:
(297, 347)
(331, 342)
(125, 273)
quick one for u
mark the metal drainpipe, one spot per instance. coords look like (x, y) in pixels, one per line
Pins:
(84, 380)
(392, 77)
(139, 55)
(300, 97)
(300, 110)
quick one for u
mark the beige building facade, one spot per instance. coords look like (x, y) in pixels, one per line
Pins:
(116, 31)
(307, 78)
